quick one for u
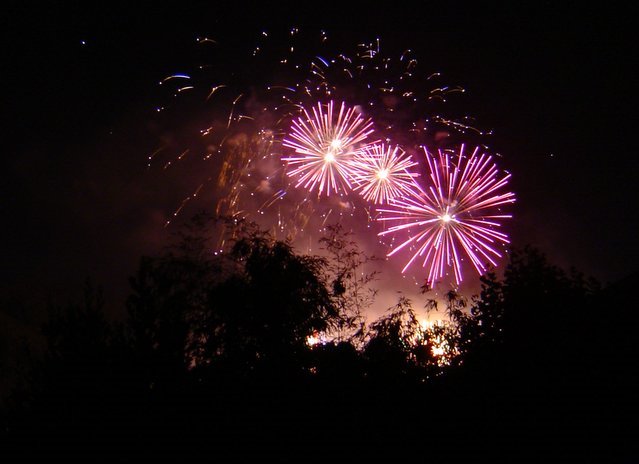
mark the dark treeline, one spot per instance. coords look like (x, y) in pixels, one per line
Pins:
(225, 357)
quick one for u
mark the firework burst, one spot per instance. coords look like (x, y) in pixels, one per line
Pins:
(457, 215)
(325, 145)
(259, 141)
(381, 173)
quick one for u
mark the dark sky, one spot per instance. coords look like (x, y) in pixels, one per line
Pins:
(554, 82)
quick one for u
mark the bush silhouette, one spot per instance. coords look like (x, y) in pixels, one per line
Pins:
(215, 358)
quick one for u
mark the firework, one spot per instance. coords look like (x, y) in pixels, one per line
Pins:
(381, 173)
(457, 215)
(255, 151)
(325, 145)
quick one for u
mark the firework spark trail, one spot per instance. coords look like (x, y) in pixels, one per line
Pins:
(456, 211)
(278, 117)
(324, 146)
(381, 173)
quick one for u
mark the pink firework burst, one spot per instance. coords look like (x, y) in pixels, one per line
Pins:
(457, 215)
(381, 173)
(324, 146)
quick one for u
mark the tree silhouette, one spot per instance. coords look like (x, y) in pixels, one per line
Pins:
(389, 348)
(351, 285)
(234, 345)
(275, 303)
(249, 309)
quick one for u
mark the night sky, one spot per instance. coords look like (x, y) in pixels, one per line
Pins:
(553, 82)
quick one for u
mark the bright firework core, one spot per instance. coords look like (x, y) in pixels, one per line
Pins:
(336, 144)
(446, 217)
(383, 174)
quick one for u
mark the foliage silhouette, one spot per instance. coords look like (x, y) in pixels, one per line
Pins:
(215, 357)
(247, 311)
(351, 285)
